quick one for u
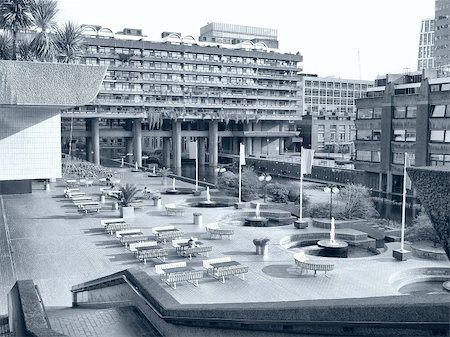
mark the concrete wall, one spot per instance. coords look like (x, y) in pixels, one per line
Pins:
(30, 143)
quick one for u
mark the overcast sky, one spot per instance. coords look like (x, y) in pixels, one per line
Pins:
(328, 33)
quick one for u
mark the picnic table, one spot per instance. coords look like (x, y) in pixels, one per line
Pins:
(222, 269)
(170, 233)
(189, 274)
(146, 252)
(185, 250)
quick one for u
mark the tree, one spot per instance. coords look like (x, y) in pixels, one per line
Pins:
(15, 15)
(43, 44)
(278, 192)
(69, 42)
(422, 230)
(25, 50)
(128, 195)
(229, 182)
(356, 202)
(5, 46)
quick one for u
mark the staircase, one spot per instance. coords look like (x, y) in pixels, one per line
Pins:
(109, 322)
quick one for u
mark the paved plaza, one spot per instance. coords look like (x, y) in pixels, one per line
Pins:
(44, 238)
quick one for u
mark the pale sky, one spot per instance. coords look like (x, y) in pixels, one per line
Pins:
(328, 33)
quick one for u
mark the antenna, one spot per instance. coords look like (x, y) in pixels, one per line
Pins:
(359, 65)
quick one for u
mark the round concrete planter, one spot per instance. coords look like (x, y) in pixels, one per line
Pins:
(127, 212)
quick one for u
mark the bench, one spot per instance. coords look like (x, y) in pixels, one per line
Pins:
(106, 222)
(172, 209)
(207, 263)
(89, 208)
(128, 239)
(190, 276)
(160, 268)
(238, 271)
(119, 234)
(160, 254)
(305, 264)
(133, 246)
(166, 233)
(114, 227)
(81, 198)
(189, 251)
(215, 231)
(70, 190)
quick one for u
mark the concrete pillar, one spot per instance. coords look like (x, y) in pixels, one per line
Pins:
(137, 141)
(89, 151)
(213, 140)
(281, 142)
(129, 149)
(248, 141)
(235, 145)
(166, 152)
(176, 144)
(389, 184)
(201, 151)
(95, 136)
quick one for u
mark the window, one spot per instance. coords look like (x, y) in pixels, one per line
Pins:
(399, 135)
(411, 112)
(376, 156)
(363, 155)
(365, 113)
(439, 111)
(410, 136)
(440, 136)
(364, 134)
(377, 113)
(439, 159)
(400, 112)
(376, 135)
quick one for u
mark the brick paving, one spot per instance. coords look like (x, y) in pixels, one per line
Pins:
(114, 322)
(51, 243)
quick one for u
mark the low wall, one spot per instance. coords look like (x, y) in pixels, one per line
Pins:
(388, 316)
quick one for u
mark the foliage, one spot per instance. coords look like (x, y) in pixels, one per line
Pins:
(25, 50)
(128, 195)
(357, 202)
(422, 230)
(322, 210)
(5, 46)
(294, 193)
(165, 172)
(278, 192)
(15, 15)
(229, 182)
(433, 190)
(69, 42)
(43, 44)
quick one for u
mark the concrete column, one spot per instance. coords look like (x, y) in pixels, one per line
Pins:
(281, 142)
(95, 136)
(235, 145)
(89, 152)
(129, 149)
(389, 184)
(166, 152)
(213, 143)
(176, 144)
(201, 151)
(137, 141)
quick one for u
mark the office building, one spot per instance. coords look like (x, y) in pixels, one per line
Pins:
(442, 35)
(157, 96)
(328, 108)
(236, 34)
(403, 113)
(425, 58)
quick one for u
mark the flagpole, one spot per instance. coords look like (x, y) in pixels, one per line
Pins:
(402, 237)
(240, 174)
(301, 193)
(196, 166)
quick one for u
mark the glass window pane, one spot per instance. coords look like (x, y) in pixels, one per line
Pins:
(437, 136)
(438, 111)
(376, 156)
(447, 136)
(399, 135)
(411, 112)
(400, 112)
(410, 136)
(363, 155)
(364, 134)
(377, 112)
(376, 135)
(365, 113)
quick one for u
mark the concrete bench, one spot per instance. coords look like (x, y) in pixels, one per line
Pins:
(188, 252)
(160, 268)
(207, 263)
(119, 234)
(89, 208)
(133, 246)
(190, 276)
(216, 232)
(238, 271)
(305, 264)
(152, 253)
(114, 227)
(128, 239)
(106, 222)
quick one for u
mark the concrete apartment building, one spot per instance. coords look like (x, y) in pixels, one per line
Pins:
(157, 96)
(328, 109)
(425, 58)
(442, 35)
(403, 113)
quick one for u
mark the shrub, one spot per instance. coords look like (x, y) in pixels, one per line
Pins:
(357, 202)
(278, 192)
(322, 210)
(422, 230)
(229, 183)
(128, 195)
(433, 190)
(294, 193)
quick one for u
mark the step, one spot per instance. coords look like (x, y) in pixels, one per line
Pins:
(110, 322)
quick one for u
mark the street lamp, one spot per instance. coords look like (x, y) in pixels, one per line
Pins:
(265, 178)
(220, 169)
(332, 189)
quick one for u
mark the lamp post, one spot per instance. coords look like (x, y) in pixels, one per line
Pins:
(332, 189)
(219, 170)
(265, 178)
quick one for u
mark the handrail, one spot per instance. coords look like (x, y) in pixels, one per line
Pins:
(42, 305)
(243, 322)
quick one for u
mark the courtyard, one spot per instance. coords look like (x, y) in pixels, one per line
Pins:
(46, 239)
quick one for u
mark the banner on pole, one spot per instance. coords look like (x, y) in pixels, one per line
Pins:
(407, 164)
(307, 160)
(241, 154)
(192, 149)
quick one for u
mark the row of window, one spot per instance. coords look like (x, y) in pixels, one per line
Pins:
(398, 158)
(440, 87)
(336, 85)
(404, 112)
(335, 93)
(401, 135)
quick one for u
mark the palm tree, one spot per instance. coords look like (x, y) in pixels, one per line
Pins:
(5, 46)
(43, 45)
(15, 15)
(69, 42)
(25, 49)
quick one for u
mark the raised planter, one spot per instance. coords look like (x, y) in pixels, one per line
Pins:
(261, 245)
(127, 212)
